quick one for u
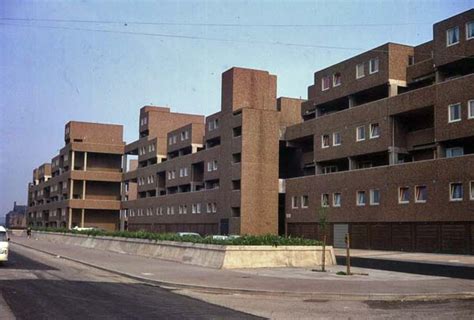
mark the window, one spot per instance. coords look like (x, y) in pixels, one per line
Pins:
(173, 174)
(209, 166)
(374, 65)
(325, 200)
(470, 30)
(329, 169)
(336, 199)
(360, 72)
(183, 135)
(454, 112)
(294, 202)
(456, 192)
(420, 194)
(214, 165)
(236, 157)
(304, 201)
(198, 208)
(403, 195)
(452, 36)
(208, 207)
(470, 108)
(336, 139)
(374, 197)
(361, 198)
(411, 60)
(454, 152)
(214, 207)
(170, 140)
(325, 141)
(374, 130)
(360, 133)
(336, 79)
(471, 190)
(325, 82)
(237, 131)
(213, 124)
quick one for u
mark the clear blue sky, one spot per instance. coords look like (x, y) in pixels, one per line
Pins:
(49, 76)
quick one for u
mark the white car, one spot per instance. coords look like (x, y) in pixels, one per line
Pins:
(3, 244)
(188, 234)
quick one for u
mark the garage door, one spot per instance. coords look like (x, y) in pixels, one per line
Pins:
(340, 231)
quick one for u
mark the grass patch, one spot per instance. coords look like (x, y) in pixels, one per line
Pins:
(245, 240)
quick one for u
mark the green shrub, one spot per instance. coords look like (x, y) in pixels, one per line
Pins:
(245, 240)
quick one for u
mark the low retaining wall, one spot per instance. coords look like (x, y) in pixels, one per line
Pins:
(206, 255)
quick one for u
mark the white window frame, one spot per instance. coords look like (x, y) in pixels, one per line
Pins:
(208, 207)
(182, 136)
(358, 138)
(334, 204)
(359, 76)
(451, 194)
(198, 208)
(323, 205)
(400, 201)
(294, 202)
(209, 166)
(303, 206)
(359, 204)
(214, 165)
(470, 113)
(449, 112)
(214, 207)
(371, 200)
(372, 136)
(376, 64)
(447, 37)
(328, 82)
(415, 193)
(334, 83)
(334, 139)
(451, 152)
(467, 30)
(322, 141)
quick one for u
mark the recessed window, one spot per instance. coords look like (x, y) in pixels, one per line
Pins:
(374, 65)
(213, 124)
(403, 195)
(374, 130)
(360, 72)
(209, 207)
(237, 131)
(329, 169)
(235, 212)
(236, 157)
(325, 200)
(411, 60)
(304, 201)
(336, 199)
(454, 112)
(456, 192)
(421, 194)
(325, 141)
(360, 133)
(470, 107)
(325, 83)
(454, 152)
(470, 30)
(471, 190)
(336, 139)
(374, 197)
(361, 198)
(236, 184)
(336, 79)
(452, 36)
(294, 202)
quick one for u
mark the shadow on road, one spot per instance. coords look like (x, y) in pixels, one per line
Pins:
(20, 262)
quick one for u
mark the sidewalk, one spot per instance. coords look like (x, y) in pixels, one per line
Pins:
(448, 265)
(378, 285)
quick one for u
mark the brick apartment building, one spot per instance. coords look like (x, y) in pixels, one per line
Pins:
(81, 185)
(385, 142)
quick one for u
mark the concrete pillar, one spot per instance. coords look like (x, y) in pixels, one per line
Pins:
(69, 221)
(352, 102)
(71, 194)
(72, 160)
(82, 217)
(122, 220)
(439, 76)
(85, 161)
(83, 189)
(318, 169)
(352, 163)
(440, 151)
(392, 156)
(392, 90)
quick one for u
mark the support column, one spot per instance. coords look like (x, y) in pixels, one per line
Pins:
(440, 151)
(82, 217)
(352, 163)
(72, 160)
(317, 168)
(352, 102)
(393, 155)
(69, 221)
(392, 90)
(85, 161)
(71, 194)
(83, 189)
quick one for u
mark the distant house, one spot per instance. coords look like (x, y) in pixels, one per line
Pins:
(17, 217)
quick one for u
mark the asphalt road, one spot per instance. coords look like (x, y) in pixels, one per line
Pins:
(37, 286)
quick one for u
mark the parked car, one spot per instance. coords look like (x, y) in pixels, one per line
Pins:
(188, 234)
(223, 237)
(3, 244)
(76, 228)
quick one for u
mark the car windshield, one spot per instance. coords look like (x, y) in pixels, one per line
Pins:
(3, 236)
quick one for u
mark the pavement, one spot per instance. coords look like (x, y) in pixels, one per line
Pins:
(377, 285)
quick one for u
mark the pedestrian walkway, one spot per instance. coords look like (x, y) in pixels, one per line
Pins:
(377, 285)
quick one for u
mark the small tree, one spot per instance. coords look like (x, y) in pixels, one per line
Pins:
(323, 225)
